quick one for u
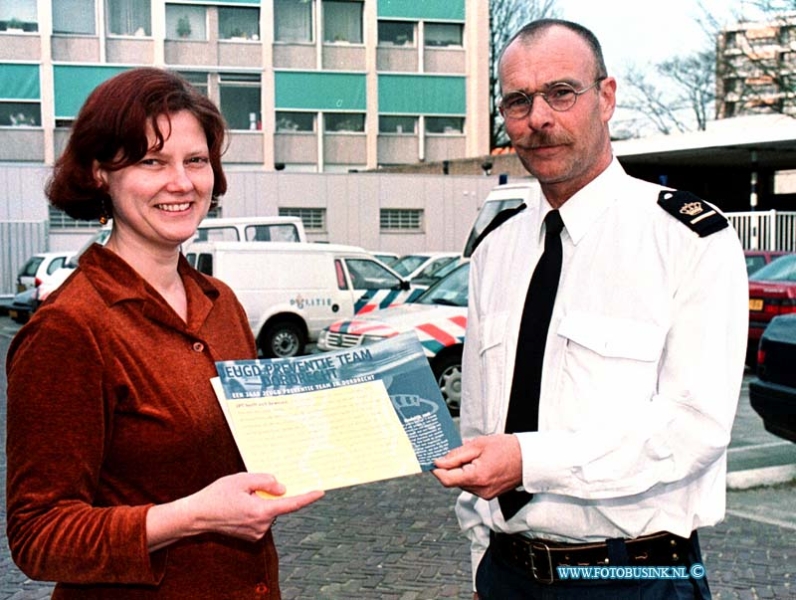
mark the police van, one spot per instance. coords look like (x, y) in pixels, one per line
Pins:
(502, 197)
(292, 291)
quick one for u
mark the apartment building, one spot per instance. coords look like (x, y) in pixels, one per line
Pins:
(756, 68)
(305, 85)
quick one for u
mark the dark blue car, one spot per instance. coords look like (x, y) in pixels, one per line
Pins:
(773, 392)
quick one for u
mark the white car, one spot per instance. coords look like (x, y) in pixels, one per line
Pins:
(38, 267)
(438, 317)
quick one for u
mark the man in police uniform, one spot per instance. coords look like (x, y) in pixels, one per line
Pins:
(642, 363)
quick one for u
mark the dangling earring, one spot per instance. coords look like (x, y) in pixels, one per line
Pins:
(105, 215)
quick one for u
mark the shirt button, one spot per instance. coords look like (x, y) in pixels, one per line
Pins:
(198, 346)
(261, 588)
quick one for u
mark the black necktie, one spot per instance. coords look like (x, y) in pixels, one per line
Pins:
(523, 414)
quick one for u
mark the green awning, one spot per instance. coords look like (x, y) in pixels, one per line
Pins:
(422, 94)
(19, 82)
(74, 83)
(320, 91)
(433, 10)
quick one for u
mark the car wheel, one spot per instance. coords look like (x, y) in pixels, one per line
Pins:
(448, 372)
(282, 339)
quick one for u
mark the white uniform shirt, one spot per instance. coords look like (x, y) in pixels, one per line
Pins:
(642, 368)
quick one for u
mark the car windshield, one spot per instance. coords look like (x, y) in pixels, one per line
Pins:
(780, 269)
(433, 268)
(407, 264)
(450, 290)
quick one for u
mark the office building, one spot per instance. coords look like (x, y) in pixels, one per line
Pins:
(755, 65)
(305, 85)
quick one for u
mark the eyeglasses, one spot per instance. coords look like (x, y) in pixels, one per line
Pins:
(560, 97)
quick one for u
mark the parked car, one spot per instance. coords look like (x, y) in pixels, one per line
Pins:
(276, 229)
(426, 281)
(388, 258)
(772, 292)
(757, 259)
(438, 317)
(23, 305)
(290, 292)
(38, 266)
(423, 264)
(773, 392)
(502, 197)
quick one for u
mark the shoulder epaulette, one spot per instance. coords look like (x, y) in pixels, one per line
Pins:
(697, 214)
(497, 221)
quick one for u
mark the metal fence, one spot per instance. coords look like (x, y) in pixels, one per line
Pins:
(765, 230)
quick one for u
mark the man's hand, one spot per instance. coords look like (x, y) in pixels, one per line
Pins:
(485, 466)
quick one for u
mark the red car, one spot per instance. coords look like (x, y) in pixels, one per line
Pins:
(772, 292)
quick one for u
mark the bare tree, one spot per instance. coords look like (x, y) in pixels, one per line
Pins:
(675, 95)
(506, 17)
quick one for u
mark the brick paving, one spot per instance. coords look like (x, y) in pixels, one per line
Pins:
(398, 540)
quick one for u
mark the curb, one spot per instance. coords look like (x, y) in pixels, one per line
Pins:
(743, 480)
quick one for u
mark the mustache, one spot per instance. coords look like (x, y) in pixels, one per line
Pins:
(542, 139)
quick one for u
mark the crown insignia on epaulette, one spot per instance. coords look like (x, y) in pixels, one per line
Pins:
(691, 209)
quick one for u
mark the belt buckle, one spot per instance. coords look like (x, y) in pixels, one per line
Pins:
(536, 576)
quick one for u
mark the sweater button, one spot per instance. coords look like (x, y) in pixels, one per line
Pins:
(198, 346)
(261, 588)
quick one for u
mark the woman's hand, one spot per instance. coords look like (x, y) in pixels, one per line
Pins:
(229, 505)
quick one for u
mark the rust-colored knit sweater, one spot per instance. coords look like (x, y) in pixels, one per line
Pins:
(110, 410)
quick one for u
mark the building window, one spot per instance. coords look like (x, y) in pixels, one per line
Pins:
(129, 17)
(344, 122)
(238, 23)
(396, 33)
(443, 34)
(60, 220)
(20, 114)
(401, 219)
(287, 122)
(240, 100)
(197, 80)
(314, 219)
(293, 21)
(342, 21)
(405, 125)
(186, 22)
(18, 16)
(77, 17)
(445, 125)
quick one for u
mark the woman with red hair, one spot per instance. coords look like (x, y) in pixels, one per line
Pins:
(124, 480)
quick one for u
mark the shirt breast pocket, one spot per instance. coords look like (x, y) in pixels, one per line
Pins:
(614, 358)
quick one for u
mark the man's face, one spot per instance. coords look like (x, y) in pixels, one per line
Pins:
(563, 150)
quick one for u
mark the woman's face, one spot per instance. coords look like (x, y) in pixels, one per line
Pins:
(160, 200)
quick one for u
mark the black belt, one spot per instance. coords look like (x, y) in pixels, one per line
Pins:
(539, 558)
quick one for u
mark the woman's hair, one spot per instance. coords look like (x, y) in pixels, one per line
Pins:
(111, 129)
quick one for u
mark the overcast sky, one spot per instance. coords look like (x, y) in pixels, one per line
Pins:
(633, 31)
